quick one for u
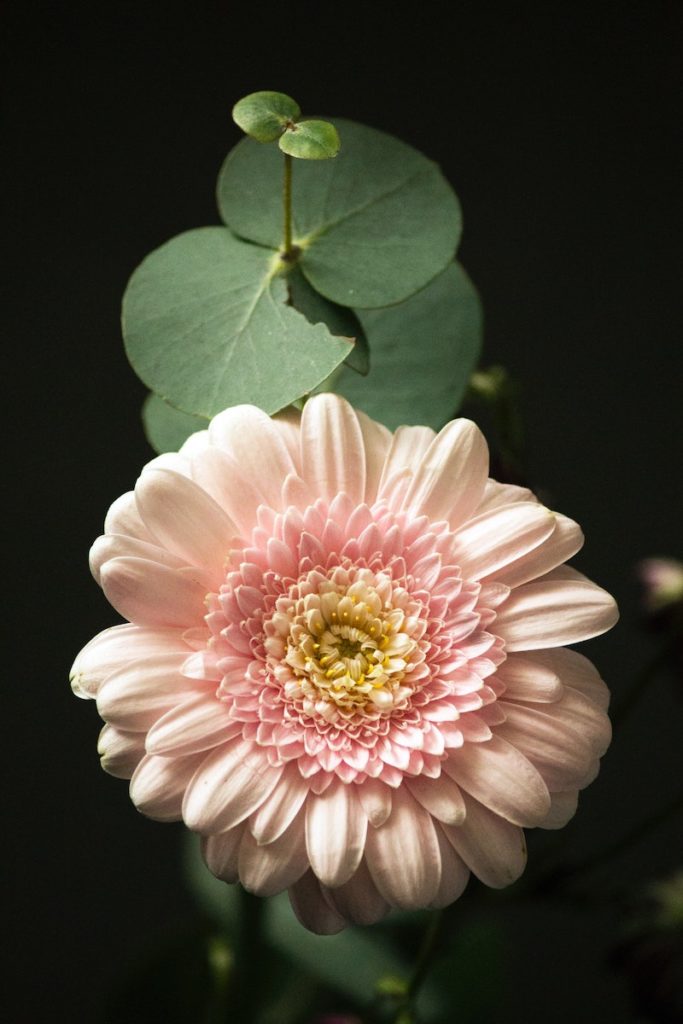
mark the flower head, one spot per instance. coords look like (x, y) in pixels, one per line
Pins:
(344, 663)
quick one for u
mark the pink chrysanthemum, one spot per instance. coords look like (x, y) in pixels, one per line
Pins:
(344, 663)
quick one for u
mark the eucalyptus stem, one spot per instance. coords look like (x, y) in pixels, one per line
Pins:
(287, 203)
(405, 1014)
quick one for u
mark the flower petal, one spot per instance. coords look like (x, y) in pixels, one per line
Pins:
(332, 449)
(526, 677)
(441, 797)
(159, 784)
(376, 441)
(336, 826)
(221, 853)
(562, 809)
(256, 444)
(501, 778)
(268, 869)
(311, 907)
(118, 545)
(358, 900)
(135, 696)
(405, 453)
(123, 518)
(551, 613)
(454, 874)
(197, 724)
(120, 752)
(403, 854)
(279, 809)
(500, 536)
(450, 479)
(492, 848)
(184, 519)
(149, 594)
(562, 544)
(228, 786)
(117, 647)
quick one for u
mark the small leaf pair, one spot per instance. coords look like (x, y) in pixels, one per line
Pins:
(266, 116)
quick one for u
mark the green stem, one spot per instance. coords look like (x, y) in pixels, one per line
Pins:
(405, 1013)
(287, 202)
(249, 958)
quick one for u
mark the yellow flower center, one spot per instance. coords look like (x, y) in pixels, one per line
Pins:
(347, 649)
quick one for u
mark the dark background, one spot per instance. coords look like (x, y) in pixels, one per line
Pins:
(556, 125)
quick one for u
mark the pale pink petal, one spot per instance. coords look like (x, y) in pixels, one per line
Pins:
(526, 677)
(492, 848)
(233, 489)
(184, 519)
(562, 544)
(577, 671)
(336, 826)
(376, 441)
(159, 783)
(375, 797)
(403, 854)
(117, 545)
(441, 797)
(135, 696)
(117, 647)
(407, 448)
(251, 438)
(454, 874)
(288, 422)
(332, 449)
(554, 613)
(221, 853)
(493, 540)
(311, 907)
(279, 809)
(268, 869)
(197, 724)
(557, 750)
(497, 494)
(358, 900)
(149, 594)
(123, 518)
(562, 809)
(450, 479)
(230, 783)
(501, 778)
(120, 752)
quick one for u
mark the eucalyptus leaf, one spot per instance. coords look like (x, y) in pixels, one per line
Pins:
(206, 325)
(340, 320)
(265, 115)
(310, 140)
(374, 226)
(423, 352)
(167, 428)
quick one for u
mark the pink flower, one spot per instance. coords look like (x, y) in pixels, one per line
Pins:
(344, 663)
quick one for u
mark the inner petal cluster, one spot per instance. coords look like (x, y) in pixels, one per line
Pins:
(346, 647)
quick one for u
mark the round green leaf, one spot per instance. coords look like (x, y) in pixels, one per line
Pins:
(340, 320)
(206, 325)
(375, 225)
(167, 428)
(264, 115)
(310, 140)
(423, 352)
